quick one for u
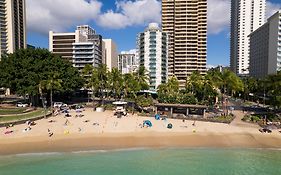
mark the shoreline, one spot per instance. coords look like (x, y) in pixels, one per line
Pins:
(140, 140)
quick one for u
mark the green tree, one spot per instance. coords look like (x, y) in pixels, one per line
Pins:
(272, 85)
(53, 83)
(25, 69)
(142, 78)
(250, 86)
(169, 92)
(116, 82)
(230, 83)
(90, 75)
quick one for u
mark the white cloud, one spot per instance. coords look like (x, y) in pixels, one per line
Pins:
(113, 20)
(58, 15)
(132, 51)
(272, 8)
(130, 13)
(218, 16)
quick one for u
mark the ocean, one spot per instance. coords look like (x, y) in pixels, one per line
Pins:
(163, 161)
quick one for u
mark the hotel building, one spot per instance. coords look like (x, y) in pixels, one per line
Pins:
(246, 17)
(127, 62)
(265, 48)
(186, 24)
(82, 47)
(12, 25)
(152, 48)
(110, 54)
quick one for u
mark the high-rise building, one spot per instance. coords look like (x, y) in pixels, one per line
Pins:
(152, 48)
(82, 47)
(186, 23)
(110, 54)
(246, 17)
(127, 62)
(265, 48)
(61, 43)
(12, 25)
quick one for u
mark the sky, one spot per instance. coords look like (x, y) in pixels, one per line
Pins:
(122, 20)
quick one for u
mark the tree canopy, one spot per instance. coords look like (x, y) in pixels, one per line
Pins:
(25, 69)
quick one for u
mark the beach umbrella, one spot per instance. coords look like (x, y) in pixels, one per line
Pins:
(170, 126)
(147, 123)
(157, 117)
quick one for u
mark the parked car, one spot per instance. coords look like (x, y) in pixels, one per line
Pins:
(265, 130)
(22, 105)
(59, 104)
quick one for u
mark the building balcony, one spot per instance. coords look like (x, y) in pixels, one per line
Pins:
(83, 48)
(82, 56)
(83, 61)
(83, 52)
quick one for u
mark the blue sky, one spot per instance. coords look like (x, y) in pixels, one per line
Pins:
(121, 20)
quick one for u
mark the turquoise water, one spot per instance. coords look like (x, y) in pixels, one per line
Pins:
(146, 162)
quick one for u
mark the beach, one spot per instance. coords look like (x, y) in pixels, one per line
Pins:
(105, 131)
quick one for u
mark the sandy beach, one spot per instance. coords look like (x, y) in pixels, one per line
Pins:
(104, 131)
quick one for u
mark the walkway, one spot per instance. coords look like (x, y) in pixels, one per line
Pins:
(238, 120)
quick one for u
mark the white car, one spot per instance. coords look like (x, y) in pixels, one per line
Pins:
(22, 105)
(59, 104)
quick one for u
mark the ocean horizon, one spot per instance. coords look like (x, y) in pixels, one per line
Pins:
(139, 161)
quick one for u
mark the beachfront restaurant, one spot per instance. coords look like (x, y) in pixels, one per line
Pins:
(181, 110)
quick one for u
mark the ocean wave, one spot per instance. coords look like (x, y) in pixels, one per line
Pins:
(38, 154)
(109, 150)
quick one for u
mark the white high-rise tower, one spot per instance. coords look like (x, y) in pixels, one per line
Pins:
(246, 17)
(152, 49)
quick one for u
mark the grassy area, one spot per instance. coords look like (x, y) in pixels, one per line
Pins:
(248, 103)
(29, 115)
(258, 118)
(7, 111)
(222, 119)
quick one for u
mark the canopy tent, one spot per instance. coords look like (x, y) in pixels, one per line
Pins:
(147, 123)
(170, 126)
(157, 117)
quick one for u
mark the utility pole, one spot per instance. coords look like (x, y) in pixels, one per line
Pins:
(263, 96)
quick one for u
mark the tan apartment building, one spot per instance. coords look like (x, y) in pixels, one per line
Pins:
(61, 43)
(186, 24)
(110, 54)
(12, 25)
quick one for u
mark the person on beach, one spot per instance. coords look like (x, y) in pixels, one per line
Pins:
(66, 122)
(50, 133)
(193, 124)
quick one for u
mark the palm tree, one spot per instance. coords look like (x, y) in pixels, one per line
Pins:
(51, 84)
(272, 85)
(116, 82)
(169, 92)
(230, 83)
(91, 78)
(142, 77)
(195, 85)
(87, 72)
(103, 79)
(250, 86)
